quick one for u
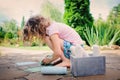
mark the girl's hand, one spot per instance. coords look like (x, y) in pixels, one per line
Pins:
(46, 61)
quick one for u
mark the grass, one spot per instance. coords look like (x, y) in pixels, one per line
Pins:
(43, 48)
(35, 48)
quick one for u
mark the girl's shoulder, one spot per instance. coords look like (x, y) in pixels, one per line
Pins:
(52, 25)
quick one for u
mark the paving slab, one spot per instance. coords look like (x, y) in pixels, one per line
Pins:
(11, 56)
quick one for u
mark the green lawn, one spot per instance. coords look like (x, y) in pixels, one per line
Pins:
(44, 48)
(35, 48)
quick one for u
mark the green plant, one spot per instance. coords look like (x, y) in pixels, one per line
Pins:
(8, 32)
(114, 15)
(23, 22)
(2, 33)
(9, 35)
(116, 37)
(90, 36)
(114, 20)
(34, 44)
(77, 15)
(102, 34)
(10, 26)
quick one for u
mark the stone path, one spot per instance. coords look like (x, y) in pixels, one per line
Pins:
(10, 56)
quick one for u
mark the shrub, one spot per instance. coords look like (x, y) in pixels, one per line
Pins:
(34, 44)
(9, 35)
(77, 15)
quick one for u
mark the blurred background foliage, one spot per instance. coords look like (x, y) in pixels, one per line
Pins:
(51, 11)
(77, 15)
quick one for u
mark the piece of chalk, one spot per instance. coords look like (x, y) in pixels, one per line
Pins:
(53, 70)
(25, 63)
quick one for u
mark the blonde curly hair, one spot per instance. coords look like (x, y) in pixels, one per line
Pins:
(36, 26)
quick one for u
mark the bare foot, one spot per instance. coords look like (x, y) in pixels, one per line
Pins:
(64, 64)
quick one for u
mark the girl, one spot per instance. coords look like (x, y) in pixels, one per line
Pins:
(58, 36)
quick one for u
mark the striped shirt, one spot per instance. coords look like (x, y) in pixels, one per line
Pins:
(65, 32)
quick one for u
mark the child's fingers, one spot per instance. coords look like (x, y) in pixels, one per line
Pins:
(46, 61)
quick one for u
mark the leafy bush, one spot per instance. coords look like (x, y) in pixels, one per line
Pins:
(2, 33)
(8, 31)
(49, 10)
(77, 15)
(10, 26)
(9, 35)
(114, 20)
(34, 44)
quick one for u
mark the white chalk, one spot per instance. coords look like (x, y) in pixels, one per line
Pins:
(96, 50)
(25, 63)
(72, 49)
(78, 51)
(53, 70)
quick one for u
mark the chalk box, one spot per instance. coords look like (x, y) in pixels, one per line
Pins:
(87, 66)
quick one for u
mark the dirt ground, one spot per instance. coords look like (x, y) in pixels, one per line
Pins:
(10, 56)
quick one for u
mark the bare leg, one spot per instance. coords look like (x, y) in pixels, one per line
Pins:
(65, 63)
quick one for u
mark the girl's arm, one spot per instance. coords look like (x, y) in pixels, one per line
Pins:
(56, 47)
(57, 44)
